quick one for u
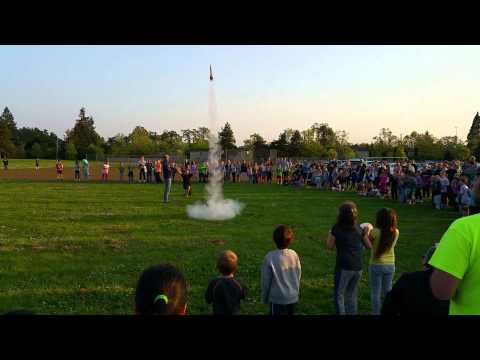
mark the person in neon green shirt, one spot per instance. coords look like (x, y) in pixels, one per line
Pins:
(457, 265)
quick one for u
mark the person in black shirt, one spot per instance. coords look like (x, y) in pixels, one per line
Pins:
(149, 171)
(349, 241)
(225, 292)
(186, 177)
(412, 294)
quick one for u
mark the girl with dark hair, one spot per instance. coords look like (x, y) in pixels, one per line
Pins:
(349, 241)
(161, 290)
(382, 240)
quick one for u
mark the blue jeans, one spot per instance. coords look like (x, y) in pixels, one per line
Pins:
(166, 188)
(346, 291)
(380, 278)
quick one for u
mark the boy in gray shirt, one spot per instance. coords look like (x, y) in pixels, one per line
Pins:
(281, 272)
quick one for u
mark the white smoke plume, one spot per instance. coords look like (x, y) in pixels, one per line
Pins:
(216, 207)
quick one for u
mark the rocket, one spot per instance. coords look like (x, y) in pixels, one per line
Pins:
(211, 74)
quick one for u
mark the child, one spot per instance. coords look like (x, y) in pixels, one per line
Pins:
(225, 292)
(436, 192)
(130, 173)
(349, 241)
(161, 290)
(59, 167)
(419, 187)
(444, 183)
(362, 189)
(106, 168)
(464, 197)
(382, 240)
(279, 172)
(280, 274)
(121, 171)
(37, 164)
(186, 177)
(158, 171)
(77, 171)
(383, 183)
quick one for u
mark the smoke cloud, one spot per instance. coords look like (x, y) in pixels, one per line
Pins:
(216, 207)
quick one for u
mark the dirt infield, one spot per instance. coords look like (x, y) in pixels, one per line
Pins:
(49, 174)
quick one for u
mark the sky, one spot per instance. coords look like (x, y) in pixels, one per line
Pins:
(259, 89)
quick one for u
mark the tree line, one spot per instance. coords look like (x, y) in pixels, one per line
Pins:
(318, 141)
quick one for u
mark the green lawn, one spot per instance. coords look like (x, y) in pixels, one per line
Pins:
(44, 163)
(69, 248)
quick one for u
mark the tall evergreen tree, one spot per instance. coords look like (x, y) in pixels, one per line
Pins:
(226, 138)
(473, 137)
(83, 134)
(8, 133)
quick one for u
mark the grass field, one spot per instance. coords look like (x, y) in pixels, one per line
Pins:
(44, 163)
(68, 248)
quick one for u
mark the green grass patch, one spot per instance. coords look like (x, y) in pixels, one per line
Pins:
(77, 248)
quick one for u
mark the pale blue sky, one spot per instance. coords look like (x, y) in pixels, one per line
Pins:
(262, 89)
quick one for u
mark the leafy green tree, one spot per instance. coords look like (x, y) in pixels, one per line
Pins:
(171, 142)
(325, 135)
(332, 154)
(257, 144)
(295, 146)
(70, 151)
(36, 150)
(281, 144)
(140, 142)
(47, 141)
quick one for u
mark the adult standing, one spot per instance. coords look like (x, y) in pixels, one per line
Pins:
(167, 178)
(412, 296)
(37, 164)
(457, 265)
